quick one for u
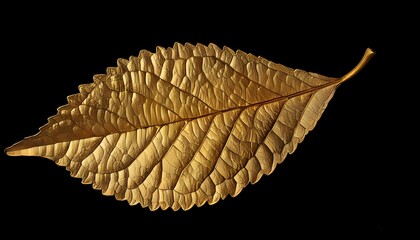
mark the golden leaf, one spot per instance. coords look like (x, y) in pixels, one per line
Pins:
(183, 126)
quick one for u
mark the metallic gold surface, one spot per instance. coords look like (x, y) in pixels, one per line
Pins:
(183, 126)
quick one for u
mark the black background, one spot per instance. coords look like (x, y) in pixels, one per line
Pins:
(345, 179)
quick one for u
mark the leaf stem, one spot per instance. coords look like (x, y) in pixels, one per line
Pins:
(369, 53)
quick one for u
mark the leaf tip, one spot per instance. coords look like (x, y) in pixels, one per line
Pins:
(29, 146)
(11, 151)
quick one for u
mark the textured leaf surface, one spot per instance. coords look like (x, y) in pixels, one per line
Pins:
(183, 126)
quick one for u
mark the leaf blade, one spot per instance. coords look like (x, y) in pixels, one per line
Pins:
(184, 126)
